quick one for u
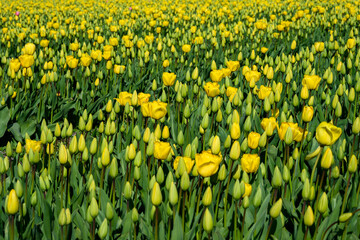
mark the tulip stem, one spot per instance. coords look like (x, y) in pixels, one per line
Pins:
(301, 146)
(314, 167)
(235, 221)
(306, 231)
(319, 191)
(266, 153)
(217, 200)
(227, 189)
(11, 227)
(317, 226)
(183, 212)
(156, 223)
(268, 231)
(198, 200)
(242, 225)
(345, 195)
(352, 147)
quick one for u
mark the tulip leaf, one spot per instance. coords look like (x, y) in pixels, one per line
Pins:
(177, 231)
(15, 130)
(4, 119)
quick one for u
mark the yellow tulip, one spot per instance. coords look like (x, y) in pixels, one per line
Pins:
(252, 76)
(311, 82)
(186, 48)
(319, 46)
(207, 164)
(32, 144)
(327, 134)
(271, 122)
(161, 150)
(168, 78)
(96, 55)
(113, 42)
(145, 109)
(85, 60)
(124, 97)
(74, 46)
(351, 42)
(216, 75)
(253, 140)
(308, 113)
(29, 48)
(143, 98)
(15, 64)
(263, 92)
(248, 189)
(233, 65)
(166, 63)
(26, 60)
(12, 203)
(230, 93)
(157, 109)
(189, 163)
(297, 132)
(250, 163)
(212, 89)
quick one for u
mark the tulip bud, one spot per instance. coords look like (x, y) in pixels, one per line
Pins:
(323, 203)
(222, 173)
(62, 217)
(345, 217)
(352, 167)
(109, 211)
(309, 217)
(235, 131)
(356, 126)
(327, 159)
(237, 190)
(134, 215)
(94, 208)
(156, 196)
(12, 204)
(127, 190)
(207, 197)
(103, 229)
(276, 209)
(208, 221)
(257, 198)
(277, 179)
(173, 194)
(63, 157)
(235, 150)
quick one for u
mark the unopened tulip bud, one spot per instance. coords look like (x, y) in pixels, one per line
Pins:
(309, 217)
(156, 196)
(103, 229)
(345, 217)
(356, 126)
(257, 198)
(134, 215)
(94, 208)
(235, 150)
(237, 190)
(352, 167)
(222, 173)
(208, 221)
(323, 203)
(173, 194)
(327, 159)
(276, 209)
(62, 217)
(288, 136)
(276, 179)
(207, 197)
(63, 157)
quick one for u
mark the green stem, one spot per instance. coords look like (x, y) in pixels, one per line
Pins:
(345, 230)
(198, 200)
(266, 154)
(217, 200)
(11, 227)
(156, 223)
(242, 225)
(306, 231)
(235, 221)
(268, 231)
(227, 189)
(345, 195)
(314, 167)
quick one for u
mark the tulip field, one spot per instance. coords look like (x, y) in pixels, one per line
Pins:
(183, 119)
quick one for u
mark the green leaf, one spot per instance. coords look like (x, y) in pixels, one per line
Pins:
(15, 130)
(177, 231)
(4, 119)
